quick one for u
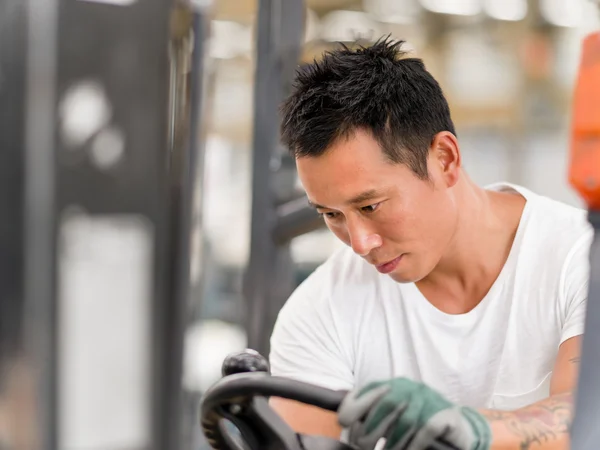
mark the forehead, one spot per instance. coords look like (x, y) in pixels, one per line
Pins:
(358, 154)
(356, 146)
(350, 167)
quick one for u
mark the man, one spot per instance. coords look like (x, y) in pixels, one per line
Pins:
(455, 313)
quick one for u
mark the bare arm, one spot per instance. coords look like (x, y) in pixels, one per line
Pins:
(307, 419)
(545, 424)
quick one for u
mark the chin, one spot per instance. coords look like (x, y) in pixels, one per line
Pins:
(404, 277)
(410, 273)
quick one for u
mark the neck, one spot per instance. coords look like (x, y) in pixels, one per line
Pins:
(478, 249)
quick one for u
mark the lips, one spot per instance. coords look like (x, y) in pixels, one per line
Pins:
(389, 266)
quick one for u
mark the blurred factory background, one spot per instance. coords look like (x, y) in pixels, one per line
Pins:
(507, 67)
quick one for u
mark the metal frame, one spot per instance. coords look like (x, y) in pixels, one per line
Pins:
(13, 86)
(269, 279)
(40, 224)
(134, 53)
(585, 433)
(12, 106)
(584, 177)
(135, 83)
(189, 29)
(295, 218)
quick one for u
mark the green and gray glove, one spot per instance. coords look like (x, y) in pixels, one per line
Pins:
(411, 416)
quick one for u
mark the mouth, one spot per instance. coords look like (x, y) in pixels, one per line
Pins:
(388, 266)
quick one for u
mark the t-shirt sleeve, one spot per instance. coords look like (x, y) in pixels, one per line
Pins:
(575, 288)
(306, 344)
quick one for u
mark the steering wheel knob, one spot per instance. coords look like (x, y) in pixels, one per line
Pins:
(246, 361)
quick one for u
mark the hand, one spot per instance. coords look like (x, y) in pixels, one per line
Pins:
(411, 416)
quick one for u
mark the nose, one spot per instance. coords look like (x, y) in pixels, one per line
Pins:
(362, 238)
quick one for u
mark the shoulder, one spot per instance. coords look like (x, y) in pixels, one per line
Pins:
(557, 239)
(554, 228)
(564, 240)
(563, 230)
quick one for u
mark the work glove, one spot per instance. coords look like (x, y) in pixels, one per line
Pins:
(411, 416)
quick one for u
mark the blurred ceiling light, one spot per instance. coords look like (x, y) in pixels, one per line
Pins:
(311, 30)
(206, 345)
(349, 26)
(512, 10)
(314, 247)
(113, 2)
(562, 13)
(229, 39)
(455, 7)
(477, 73)
(590, 19)
(200, 5)
(393, 11)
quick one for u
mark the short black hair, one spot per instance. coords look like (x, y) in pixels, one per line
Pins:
(375, 88)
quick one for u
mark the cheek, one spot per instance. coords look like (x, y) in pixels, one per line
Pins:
(437, 221)
(393, 229)
(396, 222)
(411, 221)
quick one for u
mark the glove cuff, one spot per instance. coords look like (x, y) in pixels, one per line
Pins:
(480, 426)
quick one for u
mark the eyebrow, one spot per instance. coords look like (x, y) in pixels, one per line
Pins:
(360, 198)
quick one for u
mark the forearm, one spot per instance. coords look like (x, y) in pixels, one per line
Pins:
(543, 425)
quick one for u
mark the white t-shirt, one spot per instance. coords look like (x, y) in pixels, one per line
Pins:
(347, 324)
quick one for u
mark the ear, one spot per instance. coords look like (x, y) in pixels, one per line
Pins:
(445, 156)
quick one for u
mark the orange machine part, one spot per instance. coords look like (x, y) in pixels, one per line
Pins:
(584, 170)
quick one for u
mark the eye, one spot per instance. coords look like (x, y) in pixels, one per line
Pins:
(329, 215)
(370, 208)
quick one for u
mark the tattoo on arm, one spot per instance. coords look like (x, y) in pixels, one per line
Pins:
(539, 423)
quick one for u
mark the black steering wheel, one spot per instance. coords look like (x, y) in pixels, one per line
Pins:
(241, 397)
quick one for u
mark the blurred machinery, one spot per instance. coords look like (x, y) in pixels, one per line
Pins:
(584, 175)
(102, 128)
(99, 130)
